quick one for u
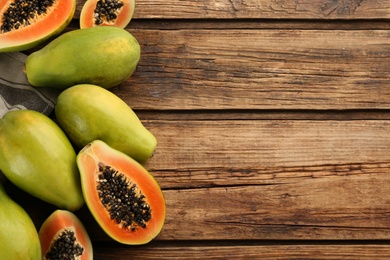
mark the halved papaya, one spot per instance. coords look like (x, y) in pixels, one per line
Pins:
(25, 24)
(63, 236)
(121, 194)
(107, 13)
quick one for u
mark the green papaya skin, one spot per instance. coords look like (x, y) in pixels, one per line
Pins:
(88, 112)
(37, 157)
(101, 55)
(18, 235)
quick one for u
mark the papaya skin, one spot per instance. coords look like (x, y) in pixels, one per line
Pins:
(89, 112)
(101, 55)
(18, 236)
(36, 156)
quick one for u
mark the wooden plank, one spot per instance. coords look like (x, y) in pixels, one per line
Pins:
(326, 207)
(260, 69)
(314, 115)
(273, 179)
(308, 167)
(270, 9)
(273, 252)
(196, 24)
(266, 144)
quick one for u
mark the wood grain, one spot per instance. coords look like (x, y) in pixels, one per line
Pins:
(308, 208)
(260, 69)
(274, 252)
(256, 144)
(270, 9)
(274, 180)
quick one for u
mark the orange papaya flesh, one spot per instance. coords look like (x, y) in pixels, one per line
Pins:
(107, 13)
(62, 234)
(121, 194)
(25, 24)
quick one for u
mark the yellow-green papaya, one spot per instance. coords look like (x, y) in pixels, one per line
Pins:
(18, 236)
(88, 112)
(101, 55)
(37, 156)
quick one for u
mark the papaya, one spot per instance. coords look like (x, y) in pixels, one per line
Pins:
(101, 55)
(107, 13)
(124, 198)
(63, 236)
(37, 156)
(88, 112)
(25, 24)
(18, 235)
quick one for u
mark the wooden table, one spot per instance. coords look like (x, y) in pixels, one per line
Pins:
(273, 122)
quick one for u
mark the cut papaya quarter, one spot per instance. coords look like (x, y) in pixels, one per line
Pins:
(107, 13)
(63, 236)
(24, 24)
(121, 194)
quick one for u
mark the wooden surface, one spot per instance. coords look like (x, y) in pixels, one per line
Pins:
(273, 122)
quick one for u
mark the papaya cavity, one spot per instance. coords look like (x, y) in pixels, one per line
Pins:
(63, 236)
(107, 13)
(25, 24)
(122, 195)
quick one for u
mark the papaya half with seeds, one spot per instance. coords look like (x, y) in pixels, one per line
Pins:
(63, 236)
(121, 194)
(25, 24)
(18, 236)
(89, 112)
(107, 13)
(101, 55)
(37, 156)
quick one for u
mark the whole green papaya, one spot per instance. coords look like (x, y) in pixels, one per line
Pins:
(18, 235)
(101, 55)
(88, 112)
(37, 156)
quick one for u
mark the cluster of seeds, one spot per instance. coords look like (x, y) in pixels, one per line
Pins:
(106, 10)
(122, 199)
(22, 13)
(65, 247)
